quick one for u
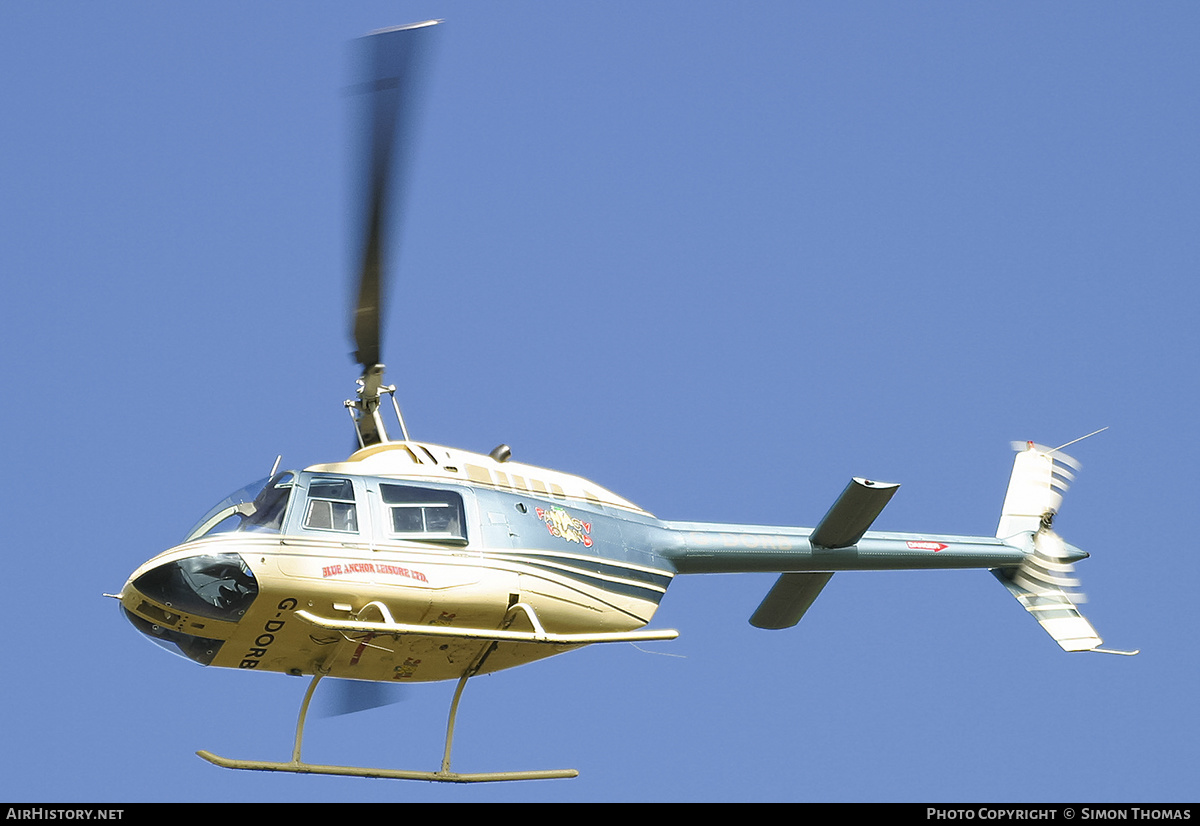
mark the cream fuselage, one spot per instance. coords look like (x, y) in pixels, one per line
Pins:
(548, 541)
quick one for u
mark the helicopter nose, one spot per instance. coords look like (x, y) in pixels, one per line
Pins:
(214, 586)
(171, 603)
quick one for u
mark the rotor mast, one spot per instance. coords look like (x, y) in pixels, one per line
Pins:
(364, 411)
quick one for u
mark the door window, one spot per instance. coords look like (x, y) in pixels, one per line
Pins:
(331, 506)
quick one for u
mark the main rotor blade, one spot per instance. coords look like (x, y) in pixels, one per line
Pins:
(391, 63)
(351, 696)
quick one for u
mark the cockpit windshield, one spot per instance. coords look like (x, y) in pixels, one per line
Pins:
(259, 506)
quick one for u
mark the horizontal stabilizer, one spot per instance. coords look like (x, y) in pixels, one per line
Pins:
(788, 599)
(853, 513)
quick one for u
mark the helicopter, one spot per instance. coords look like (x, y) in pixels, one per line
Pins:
(411, 562)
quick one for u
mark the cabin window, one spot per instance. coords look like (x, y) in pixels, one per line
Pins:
(260, 506)
(421, 513)
(331, 506)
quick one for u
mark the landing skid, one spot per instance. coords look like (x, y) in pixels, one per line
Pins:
(393, 774)
(443, 775)
(490, 638)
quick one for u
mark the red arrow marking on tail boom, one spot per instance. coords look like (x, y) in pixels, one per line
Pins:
(926, 546)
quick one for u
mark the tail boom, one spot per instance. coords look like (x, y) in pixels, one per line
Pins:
(707, 548)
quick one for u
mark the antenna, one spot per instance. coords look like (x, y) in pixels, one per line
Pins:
(1080, 439)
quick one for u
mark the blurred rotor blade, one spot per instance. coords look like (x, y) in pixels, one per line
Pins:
(350, 696)
(391, 63)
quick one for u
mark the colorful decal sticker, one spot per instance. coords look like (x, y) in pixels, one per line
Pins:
(927, 546)
(563, 525)
(347, 568)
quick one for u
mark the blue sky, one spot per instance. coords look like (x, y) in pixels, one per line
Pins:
(718, 258)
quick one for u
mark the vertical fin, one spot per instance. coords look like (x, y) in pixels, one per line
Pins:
(1040, 476)
(1042, 583)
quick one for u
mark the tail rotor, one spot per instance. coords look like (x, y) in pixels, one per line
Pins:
(1043, 582)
